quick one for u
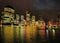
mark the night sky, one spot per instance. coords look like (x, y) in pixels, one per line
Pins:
(46, 8)
(17, 4)
(31, 4)
(46, 4)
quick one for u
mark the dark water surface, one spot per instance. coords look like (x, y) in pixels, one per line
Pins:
(16, 34)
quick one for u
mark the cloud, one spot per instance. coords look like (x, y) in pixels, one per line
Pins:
(49, 4)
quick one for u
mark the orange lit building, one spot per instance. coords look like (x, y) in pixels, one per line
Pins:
(51, 27)
(27, 28)
(41, 28)
(33, 29)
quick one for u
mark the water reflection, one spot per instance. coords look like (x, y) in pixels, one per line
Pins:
(16, 34)
(7, 33)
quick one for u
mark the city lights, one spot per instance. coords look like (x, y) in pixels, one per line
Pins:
(18, 29)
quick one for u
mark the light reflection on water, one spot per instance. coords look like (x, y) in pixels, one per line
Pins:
(15, 34)
(8, 33)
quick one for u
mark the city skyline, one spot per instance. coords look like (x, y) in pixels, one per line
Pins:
(22, 5)
(16, 28)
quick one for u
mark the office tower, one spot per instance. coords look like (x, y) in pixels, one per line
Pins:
(27, 16)
(22, 29)
(33, 30)
(41, 29)
(33, 19)
(17, 18)
(7, 29)
(8, 14)
(51, 27)
(27, 28)
(50, 24)
(16, 29)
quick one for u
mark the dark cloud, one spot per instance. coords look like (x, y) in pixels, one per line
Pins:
(49, 4)
(31, 4)
(39, 4)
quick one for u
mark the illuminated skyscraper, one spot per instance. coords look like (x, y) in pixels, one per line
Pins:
(22, 18)
(51, 28)
(16, 28)
(33, 19)
(8, 14)
(27, 16)
(16, 20)
(41, 28)
(22, 29)
(7, 28)
(27, 28)
(33, 30)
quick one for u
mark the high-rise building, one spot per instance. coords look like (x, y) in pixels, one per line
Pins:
(41, 29)
(27, 16)
(27, 28)
(16, 28)
(33, 18)
(8, 14)
(33, 29)
(22, 29)
(7, 28)
(16, 20)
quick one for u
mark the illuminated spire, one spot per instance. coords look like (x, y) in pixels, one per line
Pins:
(27, 16)
(33, 18)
